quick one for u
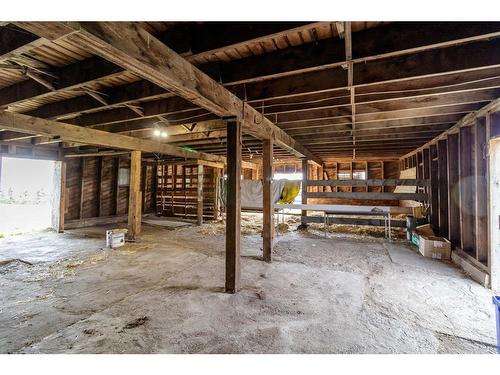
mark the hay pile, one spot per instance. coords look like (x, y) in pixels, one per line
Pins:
(250, 224)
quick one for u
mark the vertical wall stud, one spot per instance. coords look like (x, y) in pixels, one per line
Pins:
(199, 200)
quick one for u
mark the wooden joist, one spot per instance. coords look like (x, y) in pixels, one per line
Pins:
(466, 120)
(134, 49)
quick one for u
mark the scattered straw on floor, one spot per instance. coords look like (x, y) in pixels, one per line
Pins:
(359, 230)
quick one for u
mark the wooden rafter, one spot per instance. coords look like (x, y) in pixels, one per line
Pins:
(138, 51)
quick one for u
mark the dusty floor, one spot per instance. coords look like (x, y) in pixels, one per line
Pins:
(342, 294)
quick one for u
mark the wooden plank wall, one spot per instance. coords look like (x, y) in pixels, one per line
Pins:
(373, 168)
(458, 168)
(92, 187)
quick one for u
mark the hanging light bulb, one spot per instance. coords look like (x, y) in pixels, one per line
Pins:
(164, 134)
(157, 132)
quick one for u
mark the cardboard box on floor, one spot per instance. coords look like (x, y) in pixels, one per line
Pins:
(432, 246)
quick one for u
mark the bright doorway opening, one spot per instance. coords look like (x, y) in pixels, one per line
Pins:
(26, 195)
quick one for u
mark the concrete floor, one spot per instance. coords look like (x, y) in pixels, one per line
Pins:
(343, 294)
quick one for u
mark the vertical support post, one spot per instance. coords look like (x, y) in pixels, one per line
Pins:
(453, 190)
(481, 191)
(467, 187)
(216, 175)
(82, 186)
(321, 177)
(154, 194)
(233, 205)
(144, 186)
(268, 209)
(426, 157)
(117, 185)
(443, 187)
(305, 169)
(434, 180)
(59, 197)
(199, 211)
(99, 185)
(494, 203)
(135, 201)
(62, 197)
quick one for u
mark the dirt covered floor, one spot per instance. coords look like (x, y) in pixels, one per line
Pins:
(347, 293)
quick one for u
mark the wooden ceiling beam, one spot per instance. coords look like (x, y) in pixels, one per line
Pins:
(446, 114)
(330, 100)
(200, 41)
(403, 114)
(71, 77)
(428, 64)
(14, 42)
(384, 42)
(131, 47)
(176, 109)
(459, 32)
(381, 128)
(197, 41)
(72, 133)
(144, 90)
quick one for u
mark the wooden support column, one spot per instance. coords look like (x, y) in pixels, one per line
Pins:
(481, 191)
(144, 186)
(420, 171)
(321, 177)
(99, 185)
(199, 211)
(62, 197)
(453, 191)
(467, 187)
(494, 210)
(443, 187)
(216, 175)
(117, 185)
(82, 186)
(135, 200)
(268, 209)
(305, 169)
(434, 198)
(233, 205)
(154, 193)
(427, 174)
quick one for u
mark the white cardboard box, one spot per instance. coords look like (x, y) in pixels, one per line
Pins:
(115, 238)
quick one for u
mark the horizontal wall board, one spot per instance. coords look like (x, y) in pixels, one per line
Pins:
(370, 195)
(369, 182)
